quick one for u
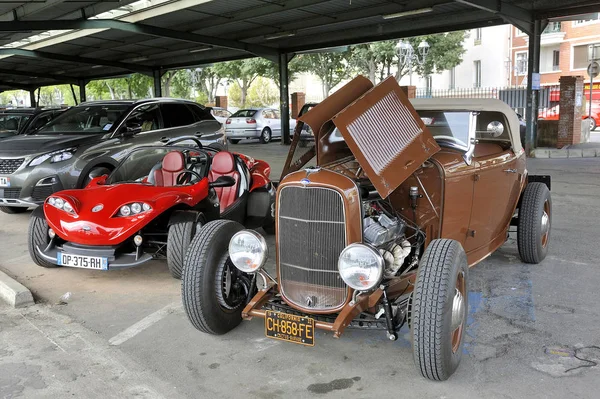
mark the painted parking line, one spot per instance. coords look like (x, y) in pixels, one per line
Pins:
(130, 332)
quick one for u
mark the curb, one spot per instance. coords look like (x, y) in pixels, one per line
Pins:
(565, 153)
(14, 293)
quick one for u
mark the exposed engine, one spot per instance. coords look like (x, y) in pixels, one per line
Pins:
(386, 232)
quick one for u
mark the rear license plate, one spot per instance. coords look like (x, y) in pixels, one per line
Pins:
(84, 262)
(289, 327)
(4, 181)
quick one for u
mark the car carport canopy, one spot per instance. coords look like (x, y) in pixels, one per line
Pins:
(62, 41)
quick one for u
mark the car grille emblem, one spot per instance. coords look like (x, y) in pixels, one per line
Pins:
(97, 208)
(305, 182)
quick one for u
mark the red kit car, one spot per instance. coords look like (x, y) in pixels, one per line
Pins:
(150, 207)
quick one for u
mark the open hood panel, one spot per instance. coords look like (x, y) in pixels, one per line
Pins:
(386, 135)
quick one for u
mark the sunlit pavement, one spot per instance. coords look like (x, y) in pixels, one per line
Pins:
(531, 328)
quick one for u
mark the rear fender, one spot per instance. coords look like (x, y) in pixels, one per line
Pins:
(260, 175)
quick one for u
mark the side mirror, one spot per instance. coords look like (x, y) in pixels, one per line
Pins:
(223, 181)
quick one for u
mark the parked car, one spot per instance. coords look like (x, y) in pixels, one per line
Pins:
(150, 207)
(220, 114)
(89, 140)
(250, 123)
(553, 114)
(25, 120)
(383, 230)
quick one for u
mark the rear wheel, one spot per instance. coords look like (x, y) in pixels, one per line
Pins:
(234, 141)
(38, 238)
(593, 124)
(11, 210)
(214, 291)
(535, 220)
(178, 240)
(265, 136)
(439, 309)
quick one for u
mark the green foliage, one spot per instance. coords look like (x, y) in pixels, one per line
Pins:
(202, 98)
(445, 52)
(262, 93)
(269, 69)
(242, 73)
(330, 68)
(130, 87)
(234, 96)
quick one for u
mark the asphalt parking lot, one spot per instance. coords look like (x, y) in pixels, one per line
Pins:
(532, 330)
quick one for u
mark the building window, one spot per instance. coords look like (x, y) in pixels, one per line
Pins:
(477, 76)
(453, 78)
(477, 36)
(519, 32)
(521, 63)
(583, 54)
(592, 18)
(556, 60)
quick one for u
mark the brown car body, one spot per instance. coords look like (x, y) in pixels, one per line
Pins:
(472, 204)
(375, 152)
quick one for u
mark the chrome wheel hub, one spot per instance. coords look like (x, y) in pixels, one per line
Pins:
(545, 223)
(458, 310)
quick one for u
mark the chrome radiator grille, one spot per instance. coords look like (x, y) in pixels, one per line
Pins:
(312, 234)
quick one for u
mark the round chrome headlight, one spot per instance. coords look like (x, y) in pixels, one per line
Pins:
(67, 207)
(361, 266)
(248, 251)
(136, 208)
(59, 202)
(125, 210)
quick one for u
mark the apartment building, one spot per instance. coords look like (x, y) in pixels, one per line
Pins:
(566, 50)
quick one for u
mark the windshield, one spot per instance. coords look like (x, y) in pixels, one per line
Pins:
(99, 118)
(448, 125)
(244, 113)
(13, 122)
(142, 165)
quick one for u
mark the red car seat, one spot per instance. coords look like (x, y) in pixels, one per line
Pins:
(172, 165)
(223, 164)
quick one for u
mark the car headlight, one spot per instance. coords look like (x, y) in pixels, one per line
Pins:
(55, 156)
(361, 266)
(248, 251)
(62, 204)
(133, 208)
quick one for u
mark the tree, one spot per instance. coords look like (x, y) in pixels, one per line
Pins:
(269, 69)
(445, 52)
(207, 81)
(375, 59)
(330, 68)
(242, 73)
(262, 93)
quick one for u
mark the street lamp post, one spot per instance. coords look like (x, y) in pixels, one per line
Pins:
(407, 54)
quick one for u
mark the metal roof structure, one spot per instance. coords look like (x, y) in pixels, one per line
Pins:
(45, 42)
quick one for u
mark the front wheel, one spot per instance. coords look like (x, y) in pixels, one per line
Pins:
(439, 309)
(213, 290)
(38, 238)
(234, 141)
(178, 240)
(265, 136)
(593, 124)
(535, 220)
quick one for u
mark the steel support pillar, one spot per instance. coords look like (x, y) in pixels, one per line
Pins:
(32, 98)
(157, 78)
(533, 66)
(82, 95)
(284, 99)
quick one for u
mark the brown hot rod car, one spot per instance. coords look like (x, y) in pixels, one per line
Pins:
(404, 197)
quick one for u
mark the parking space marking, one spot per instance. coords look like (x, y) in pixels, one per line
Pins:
(130, 332)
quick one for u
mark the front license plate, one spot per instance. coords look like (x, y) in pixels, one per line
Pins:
(289, 327)
(4, 181)
(84, 262)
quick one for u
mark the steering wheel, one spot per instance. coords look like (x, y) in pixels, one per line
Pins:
(450, 138)
(181, 177)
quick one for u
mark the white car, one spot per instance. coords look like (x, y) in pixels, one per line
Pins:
(252, 123)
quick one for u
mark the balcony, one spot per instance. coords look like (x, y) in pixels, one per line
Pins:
(552, 34)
